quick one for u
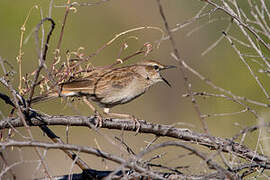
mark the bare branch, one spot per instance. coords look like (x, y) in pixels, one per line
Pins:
(211, 142)
(42, 58)
(180, 61)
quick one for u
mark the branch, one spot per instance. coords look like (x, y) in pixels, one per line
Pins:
(210, 162)
(211, 142)
(96, 174)
(22, 119)
(84, 149)
(235, 17)
(41, 57)
(182, 67)
(7, 99)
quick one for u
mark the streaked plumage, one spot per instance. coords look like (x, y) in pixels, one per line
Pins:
(112, 86)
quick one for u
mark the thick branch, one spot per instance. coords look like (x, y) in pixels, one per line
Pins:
(214, 143)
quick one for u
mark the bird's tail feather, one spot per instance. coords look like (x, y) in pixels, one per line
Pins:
(43, 98)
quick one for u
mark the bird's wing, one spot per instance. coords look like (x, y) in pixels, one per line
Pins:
(85, 85)
(114, 81)
(100, 82)
(78, 85)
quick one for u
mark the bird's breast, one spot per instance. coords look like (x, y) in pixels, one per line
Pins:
(122, 95)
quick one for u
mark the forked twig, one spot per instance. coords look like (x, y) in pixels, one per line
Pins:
(42, 57)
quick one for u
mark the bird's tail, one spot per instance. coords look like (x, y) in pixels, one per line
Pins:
(43, 98)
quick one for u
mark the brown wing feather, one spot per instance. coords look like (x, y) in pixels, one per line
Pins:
(113, 81)
(100, 82)
(85, 85)
(77, 85)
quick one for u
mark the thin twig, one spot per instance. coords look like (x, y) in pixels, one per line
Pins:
(83, 149)
(180, 61)
(42, 58)
(242, 24)
(19, 57)
(211, 164)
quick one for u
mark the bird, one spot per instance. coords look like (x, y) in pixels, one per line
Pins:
(111, 86)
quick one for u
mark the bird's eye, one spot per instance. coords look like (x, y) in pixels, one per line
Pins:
(156, 67)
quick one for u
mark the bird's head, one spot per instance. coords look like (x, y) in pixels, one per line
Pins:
(152, 71)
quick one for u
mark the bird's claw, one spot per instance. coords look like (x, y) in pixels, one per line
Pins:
(100, 120)
(137, 124)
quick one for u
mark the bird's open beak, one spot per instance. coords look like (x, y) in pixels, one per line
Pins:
(167, 67)
(166, 81)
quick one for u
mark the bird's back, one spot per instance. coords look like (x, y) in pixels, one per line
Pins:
(108, 87)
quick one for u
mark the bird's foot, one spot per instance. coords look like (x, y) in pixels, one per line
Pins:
(99, 118)
(137, 124)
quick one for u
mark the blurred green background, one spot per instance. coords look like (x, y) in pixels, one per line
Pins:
(91, 27)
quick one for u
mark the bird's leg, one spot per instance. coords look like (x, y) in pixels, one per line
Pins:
(128, 116)
(99, 124)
